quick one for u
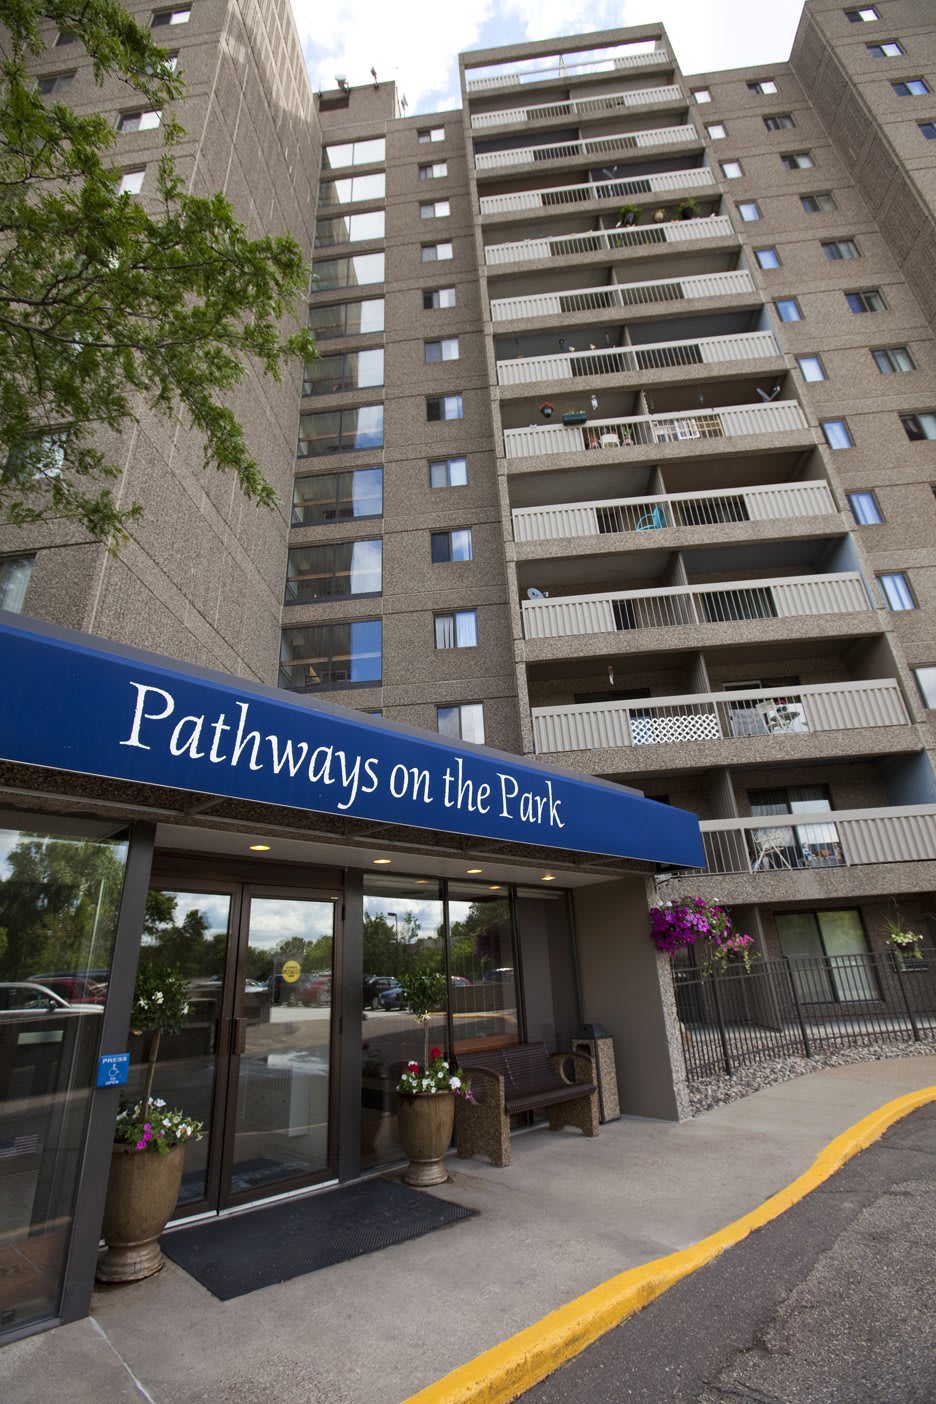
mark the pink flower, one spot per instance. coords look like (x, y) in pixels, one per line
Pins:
(141, 1145)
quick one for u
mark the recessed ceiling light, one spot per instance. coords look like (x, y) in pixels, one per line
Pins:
(383, 860)
(473, 872)
(494, 887)
(548, 877)
(259, 848)
(420, 882)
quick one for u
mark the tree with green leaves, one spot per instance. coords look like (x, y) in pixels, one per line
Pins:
(111, 304)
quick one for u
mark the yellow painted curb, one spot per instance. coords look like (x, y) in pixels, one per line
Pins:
(500, 1374)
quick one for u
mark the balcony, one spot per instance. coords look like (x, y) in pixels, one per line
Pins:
(619, 295)
(576, 107)
(678, 231)
(733, 421)
(561, 69)
(689, 606)
(662, 182)
(649, 356)
(822, 840)
(772, 502)
(714, 716)
(594, 146)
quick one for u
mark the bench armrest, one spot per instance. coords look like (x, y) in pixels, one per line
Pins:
(583, 1063)
(492, 1082)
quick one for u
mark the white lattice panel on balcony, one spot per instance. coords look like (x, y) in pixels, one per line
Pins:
(690, 726)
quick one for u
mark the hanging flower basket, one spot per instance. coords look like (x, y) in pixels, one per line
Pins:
(677, 925)
(547, 409)
(575, 417)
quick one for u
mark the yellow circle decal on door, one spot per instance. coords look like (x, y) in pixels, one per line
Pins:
(291, 972)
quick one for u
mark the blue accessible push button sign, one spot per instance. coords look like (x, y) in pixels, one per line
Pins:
(112, 1069)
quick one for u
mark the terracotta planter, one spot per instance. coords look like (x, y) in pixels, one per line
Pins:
(141, 1195)
(426, 1122)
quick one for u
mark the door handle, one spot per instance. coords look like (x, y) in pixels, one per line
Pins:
(239, 1042)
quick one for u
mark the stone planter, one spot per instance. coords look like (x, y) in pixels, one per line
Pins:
(141, 1195)
(426, 1122)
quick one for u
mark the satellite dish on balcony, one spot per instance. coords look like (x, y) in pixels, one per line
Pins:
(534, 594)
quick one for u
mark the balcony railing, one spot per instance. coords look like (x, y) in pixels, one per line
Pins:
(623, 360)
(616, 611)
(716, 716)
(772, 502)
(736, 283)
(653, 429)
(592, 146)
(678, 231)
(576, 107)
(664, 182)
(561, 69)
(824, 839)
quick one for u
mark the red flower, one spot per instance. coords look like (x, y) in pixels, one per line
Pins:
(413, 1066)
(435, 1053)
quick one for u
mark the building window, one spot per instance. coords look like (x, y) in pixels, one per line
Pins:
(347, 318)
(15, 574)
(797, 161)
(349, 229)
(434, 298)
(451, 545)
(55, 83)
(435, 253)
(337, 497)
(911, 87)
(444, 350)
(131, 182)
(926, 682)
(779, 122)
(867, 300)
(341, 431)
(457, 630)
(928, 129)
(837, 434)
(821, 203)
(433, 170)
(354, 272)
(350, 370)
(888, 48)
(811, 368)
(895, 587)
(717, 131)
(731, 170)
(761, 88)
(767, 257)
(864, 508)
(181, 15)
(448, 472)
(702, 94)
(331, 656)
(827, 949)
(354, 153)
(430, 134)
(840, 248)
(891, 359)
(788, 309)
(464, 723)
(921, 425)
(864, 14)
(436, 209)
(749, 210)
(138, 121)
(444, 407)
(350, 189)
(333, 571)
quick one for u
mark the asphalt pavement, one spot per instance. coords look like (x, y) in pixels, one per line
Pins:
(832, 1303)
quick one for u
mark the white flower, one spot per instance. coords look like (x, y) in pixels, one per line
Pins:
(454, 1082)
(185, 1009)
(158, 997)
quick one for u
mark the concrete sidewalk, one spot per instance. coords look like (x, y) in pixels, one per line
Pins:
(568, 1214)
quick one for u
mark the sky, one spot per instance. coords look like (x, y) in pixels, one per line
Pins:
(417, 43)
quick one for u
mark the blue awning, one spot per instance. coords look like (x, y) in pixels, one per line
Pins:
(72, 702)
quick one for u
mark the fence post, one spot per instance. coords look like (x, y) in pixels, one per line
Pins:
(722, 1034)
(903, 992)
(796, 1005)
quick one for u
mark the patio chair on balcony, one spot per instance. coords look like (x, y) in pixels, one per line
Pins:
(651, 521)
(771, 848)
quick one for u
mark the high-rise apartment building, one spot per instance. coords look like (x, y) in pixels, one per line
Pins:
(620, 456)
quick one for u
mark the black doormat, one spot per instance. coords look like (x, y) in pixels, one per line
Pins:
(242, 1253)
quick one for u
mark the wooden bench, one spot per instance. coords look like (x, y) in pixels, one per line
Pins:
(524, 1077)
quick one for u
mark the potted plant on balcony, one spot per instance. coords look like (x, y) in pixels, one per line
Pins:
(628, 215)
(687, 208)
(577, 416)
(427, 1093)
(149, 1141)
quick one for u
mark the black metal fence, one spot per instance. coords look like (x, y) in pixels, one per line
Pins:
(800, 1007)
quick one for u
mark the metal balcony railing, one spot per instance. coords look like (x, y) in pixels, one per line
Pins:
(651, 59)
(824, 839)
(715, 716)
(576, 107)
(616, 611)
(654, 429)
(678, 231)
(591, 146)
(772, 502)
(664, 182)
(620, 295)
(623, 360)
